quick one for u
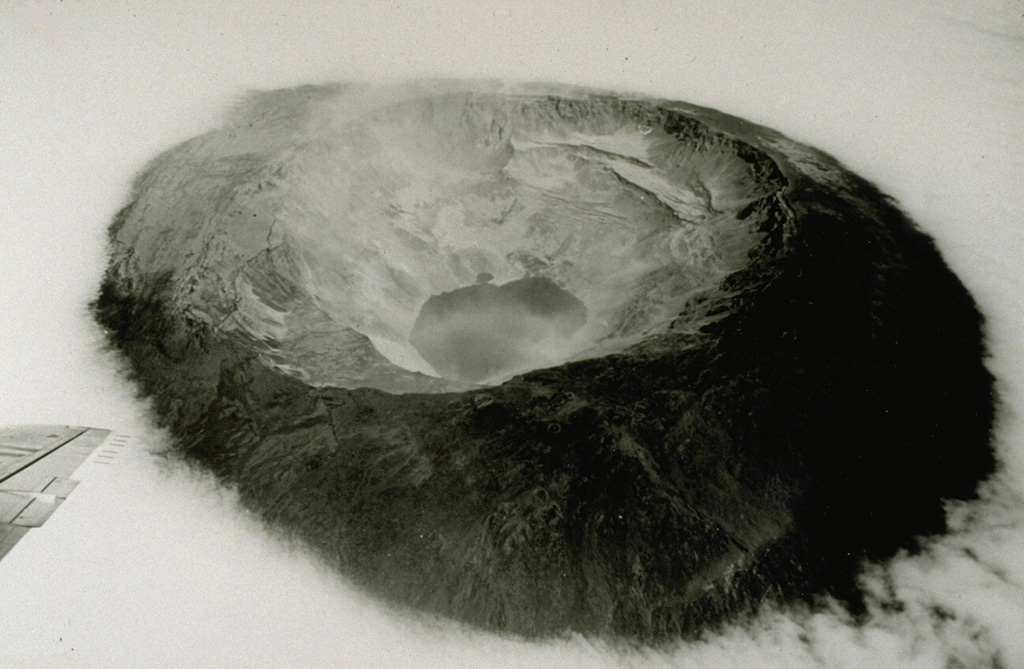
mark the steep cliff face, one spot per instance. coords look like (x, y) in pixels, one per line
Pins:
(551, 360)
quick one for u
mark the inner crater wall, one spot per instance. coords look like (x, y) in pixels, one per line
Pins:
(346, 219)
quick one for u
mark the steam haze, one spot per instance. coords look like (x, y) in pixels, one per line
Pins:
(483, 331)
(150, 564)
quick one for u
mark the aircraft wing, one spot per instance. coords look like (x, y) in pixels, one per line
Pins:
(35, 461)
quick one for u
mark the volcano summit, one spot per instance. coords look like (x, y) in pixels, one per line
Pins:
(549, 360)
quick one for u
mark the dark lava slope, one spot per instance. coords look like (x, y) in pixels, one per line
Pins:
(713, 369)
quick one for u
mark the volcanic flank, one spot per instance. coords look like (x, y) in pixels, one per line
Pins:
(549, 360)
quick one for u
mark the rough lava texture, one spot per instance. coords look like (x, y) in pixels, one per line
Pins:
(547, 360)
